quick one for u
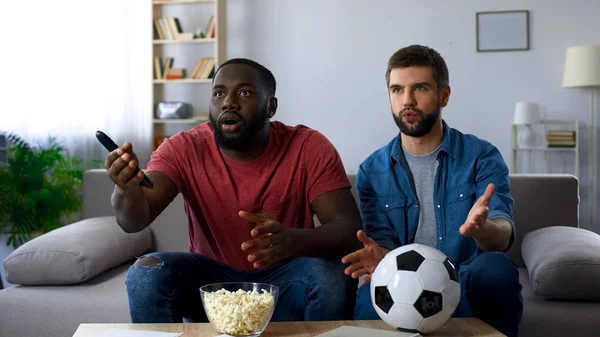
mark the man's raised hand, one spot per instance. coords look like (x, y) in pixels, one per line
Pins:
(365, 260)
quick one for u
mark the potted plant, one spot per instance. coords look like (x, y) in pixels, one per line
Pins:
(39, 189)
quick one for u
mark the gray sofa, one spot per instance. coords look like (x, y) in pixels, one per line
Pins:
(34, 310)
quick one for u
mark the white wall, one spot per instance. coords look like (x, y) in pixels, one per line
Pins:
(329, 58)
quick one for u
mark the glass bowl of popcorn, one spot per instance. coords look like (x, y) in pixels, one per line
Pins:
(239, 308)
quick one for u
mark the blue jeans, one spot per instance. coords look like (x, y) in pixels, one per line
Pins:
(490, 290)
(164, 287)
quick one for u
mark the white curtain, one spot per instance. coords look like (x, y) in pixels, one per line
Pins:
(73, 67)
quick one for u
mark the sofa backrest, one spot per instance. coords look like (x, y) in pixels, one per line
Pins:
(169, 229)
(540, 201)
(97, 190)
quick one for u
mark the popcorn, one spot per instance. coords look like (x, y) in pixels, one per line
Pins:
(239, 313)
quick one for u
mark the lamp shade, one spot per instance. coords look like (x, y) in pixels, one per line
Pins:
(582, 67)
(526, 113)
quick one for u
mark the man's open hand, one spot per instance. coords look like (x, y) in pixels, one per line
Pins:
(271, 241)
(365, 260)
(474, 226)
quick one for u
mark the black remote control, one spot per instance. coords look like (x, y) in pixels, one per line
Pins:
(111, 146)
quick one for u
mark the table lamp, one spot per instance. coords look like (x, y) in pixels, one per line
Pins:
(526, 113)
(582, 69)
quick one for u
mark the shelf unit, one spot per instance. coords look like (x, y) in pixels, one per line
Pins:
(542, 153)
(191, 15)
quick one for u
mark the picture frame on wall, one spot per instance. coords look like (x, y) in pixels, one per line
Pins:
(502, 30)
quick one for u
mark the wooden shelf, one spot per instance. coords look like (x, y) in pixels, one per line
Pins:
(180, 121)
(173, 2)
(183, 41)
(557, 121)
(185, 80)
(548, 149)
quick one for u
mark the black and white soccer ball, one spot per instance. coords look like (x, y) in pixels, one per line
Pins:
(415, 288)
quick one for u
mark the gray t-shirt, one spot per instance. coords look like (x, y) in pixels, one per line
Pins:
(423, 168)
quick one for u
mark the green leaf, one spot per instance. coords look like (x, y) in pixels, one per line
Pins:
(40, 188)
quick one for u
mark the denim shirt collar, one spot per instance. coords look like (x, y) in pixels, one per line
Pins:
(448, 145)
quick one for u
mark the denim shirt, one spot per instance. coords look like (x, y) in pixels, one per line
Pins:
(389, 205)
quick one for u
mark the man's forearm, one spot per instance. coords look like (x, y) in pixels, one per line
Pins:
(496, 235)
(133, 212)
(335, 238)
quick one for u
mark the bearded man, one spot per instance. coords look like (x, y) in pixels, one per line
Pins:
(436, 186)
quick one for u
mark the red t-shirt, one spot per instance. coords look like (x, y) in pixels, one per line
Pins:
(298, 165)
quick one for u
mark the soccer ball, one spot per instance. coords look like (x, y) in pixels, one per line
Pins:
(415, 288)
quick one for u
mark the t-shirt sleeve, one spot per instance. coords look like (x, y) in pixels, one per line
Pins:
(165, 159)
(324, 167)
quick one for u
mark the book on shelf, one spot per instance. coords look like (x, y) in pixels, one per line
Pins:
(158, 68)
(175, 74)
(211, 28)
(561, 138)
(561, 133)
(164, 70)
(162, 67)
(169, 28)
(205, 68)
(558, 145)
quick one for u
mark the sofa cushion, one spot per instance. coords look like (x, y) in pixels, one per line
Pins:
(60, 309)
(75, 253)
(553, 318)
(563, 262)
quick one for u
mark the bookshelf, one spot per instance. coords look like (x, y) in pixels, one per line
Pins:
(556, 148)
(189, 43)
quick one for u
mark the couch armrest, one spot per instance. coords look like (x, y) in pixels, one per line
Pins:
(75, 253)
(563, 263)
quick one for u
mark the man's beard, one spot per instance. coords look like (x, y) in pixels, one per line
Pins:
(422, 126)
(244, 138)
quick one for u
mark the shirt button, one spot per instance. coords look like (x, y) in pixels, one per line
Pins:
(439, 206)
(440, 238)
(416, 206)
(461, 195)
(386, 206)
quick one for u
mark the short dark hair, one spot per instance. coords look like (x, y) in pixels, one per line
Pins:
(266, 76)
(417, 55)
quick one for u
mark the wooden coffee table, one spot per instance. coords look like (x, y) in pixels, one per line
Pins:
(472, 327)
